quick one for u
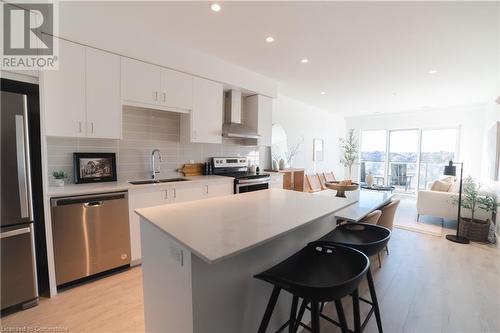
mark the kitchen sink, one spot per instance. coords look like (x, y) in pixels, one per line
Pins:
(158, 181)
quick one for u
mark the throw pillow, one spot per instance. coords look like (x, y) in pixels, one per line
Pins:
(440, 186)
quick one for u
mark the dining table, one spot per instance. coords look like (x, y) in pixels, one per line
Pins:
(360, 203)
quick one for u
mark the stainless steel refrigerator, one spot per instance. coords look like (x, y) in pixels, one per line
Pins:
(18, 263)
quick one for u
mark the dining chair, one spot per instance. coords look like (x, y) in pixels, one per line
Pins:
(329, 176)
(322, 179)
(373, 218)
(313, 183)
(387, 217)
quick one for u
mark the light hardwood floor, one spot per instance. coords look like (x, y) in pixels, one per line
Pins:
(426, 284)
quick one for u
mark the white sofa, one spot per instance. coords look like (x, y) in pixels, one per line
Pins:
(440, 204)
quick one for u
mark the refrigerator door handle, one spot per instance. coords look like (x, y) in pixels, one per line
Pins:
(15, 232)
(23, 164)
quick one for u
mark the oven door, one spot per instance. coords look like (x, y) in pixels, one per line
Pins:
(250, 185)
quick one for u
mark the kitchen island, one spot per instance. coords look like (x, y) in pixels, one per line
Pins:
(199, 257)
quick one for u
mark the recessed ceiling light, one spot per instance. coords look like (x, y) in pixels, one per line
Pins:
(215, 7)
(304, 60)
(269, 39)
(323, 93)
(432, 71)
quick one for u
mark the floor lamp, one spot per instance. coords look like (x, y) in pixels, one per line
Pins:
(451, 170)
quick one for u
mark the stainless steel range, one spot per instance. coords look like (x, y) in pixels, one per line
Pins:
(244, 180)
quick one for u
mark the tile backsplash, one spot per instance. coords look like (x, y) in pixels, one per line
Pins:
(143, 131)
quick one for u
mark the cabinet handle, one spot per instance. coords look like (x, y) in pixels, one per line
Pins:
(166, 194)
(155, 96)
(79, 127)
(164, 97)
(92, 127)
(175, 194)
(206, 189)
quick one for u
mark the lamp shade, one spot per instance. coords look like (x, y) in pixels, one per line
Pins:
(450, 169)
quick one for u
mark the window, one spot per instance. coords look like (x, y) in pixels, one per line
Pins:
(373, 154)
(408, 159)
(437, 148)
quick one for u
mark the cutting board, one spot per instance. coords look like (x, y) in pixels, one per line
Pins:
(194, 169)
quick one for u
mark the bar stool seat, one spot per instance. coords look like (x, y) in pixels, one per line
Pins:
(317, 273)
(369, 239)
(365, 237)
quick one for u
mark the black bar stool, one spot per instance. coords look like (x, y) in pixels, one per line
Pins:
(318, 273)
(369, 239)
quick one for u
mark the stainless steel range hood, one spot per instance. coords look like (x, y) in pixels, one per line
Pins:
(233, 127)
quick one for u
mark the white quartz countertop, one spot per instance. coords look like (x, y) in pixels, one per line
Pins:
(80, 189)
(218, 228)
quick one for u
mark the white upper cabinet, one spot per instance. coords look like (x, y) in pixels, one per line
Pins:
(141, 82)
(104, 111)
(152, 86)
(204, 123)
(64, 93)
(259, 115)
(82, 97)
(176, 90)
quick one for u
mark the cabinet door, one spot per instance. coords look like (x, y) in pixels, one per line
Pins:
(103, 94)
(141, 82)
(176, 90)
(276, 180)
(212, 190)
(207, 113)
(141, 199)
(186, 192)
(64, 93)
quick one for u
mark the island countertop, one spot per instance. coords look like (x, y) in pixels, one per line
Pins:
(218, 228)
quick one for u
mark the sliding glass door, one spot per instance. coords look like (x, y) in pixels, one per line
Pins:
(437, 148)
(408, 159)
(403, 159)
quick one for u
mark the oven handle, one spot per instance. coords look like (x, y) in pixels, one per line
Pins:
(253, 181)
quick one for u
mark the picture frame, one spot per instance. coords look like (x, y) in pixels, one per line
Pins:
(318, 150)
(94, 167)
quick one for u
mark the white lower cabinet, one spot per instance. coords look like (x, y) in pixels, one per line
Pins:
(212, 190)
(157, 195)
(142, 198)
(276, 180)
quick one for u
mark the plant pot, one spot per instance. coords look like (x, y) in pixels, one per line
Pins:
(474, 230)
(59, 182)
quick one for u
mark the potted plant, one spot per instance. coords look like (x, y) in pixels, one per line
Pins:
(473, 200)
(292, 152)
(59, 177)
(349, 146)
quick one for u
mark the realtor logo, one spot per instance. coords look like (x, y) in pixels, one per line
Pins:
(28, 36)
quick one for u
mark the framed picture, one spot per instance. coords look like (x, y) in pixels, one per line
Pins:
(318, 149)
(94, 167)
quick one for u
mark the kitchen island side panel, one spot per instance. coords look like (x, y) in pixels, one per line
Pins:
(166, 279)
(226, 296)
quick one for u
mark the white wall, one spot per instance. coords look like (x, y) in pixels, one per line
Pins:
(471, 121)
(299, 121)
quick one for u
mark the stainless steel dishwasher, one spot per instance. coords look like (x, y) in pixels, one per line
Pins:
(91, 234)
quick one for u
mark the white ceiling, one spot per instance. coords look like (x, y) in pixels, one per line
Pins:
(367, 56)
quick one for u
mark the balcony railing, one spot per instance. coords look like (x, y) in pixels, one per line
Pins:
(403, 175)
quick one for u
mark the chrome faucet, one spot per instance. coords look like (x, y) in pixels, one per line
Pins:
(153, 169)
